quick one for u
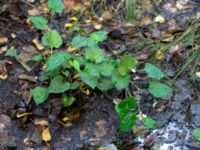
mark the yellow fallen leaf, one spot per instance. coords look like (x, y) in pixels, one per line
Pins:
(197, 74)
(85, 90)
(26, 141)
(46, 9)
(71, 49)
(37, 44)
(66, 119)
(23, 115)
(46, 136)
(75, 8)
(74, 19)
(159, 55)
(65, 124)
(160, 19)
(47, 53)
(68, 25)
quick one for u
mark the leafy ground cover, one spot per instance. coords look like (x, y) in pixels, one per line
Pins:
(99, 74)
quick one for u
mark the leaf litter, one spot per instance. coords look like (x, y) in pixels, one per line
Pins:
(165, 42)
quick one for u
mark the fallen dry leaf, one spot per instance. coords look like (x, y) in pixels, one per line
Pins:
(13, 35)
(37, 44)
(160, 19)
(46, 136)
(3, 71)
(68, 25)
(98, 26)
(23, 115)
(107, 15)
(181, 5)
(33, 12)
(197, 74)
(73, 18)
(159, 55)
(71, 116)
(70, 4)
(3, 40)
(71, 49)
(26, 141)
(41, 122)
(3, 49)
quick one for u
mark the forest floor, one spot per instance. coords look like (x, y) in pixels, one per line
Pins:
(165, 34)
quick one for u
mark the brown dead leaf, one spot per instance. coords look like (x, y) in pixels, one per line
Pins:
(147, 19)
(71, 3)
(173, 27)
(3, 71)
(107, 15)
(46, 135)
(167, 37)
(176, 55)
(33, 12)
(41, 122)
